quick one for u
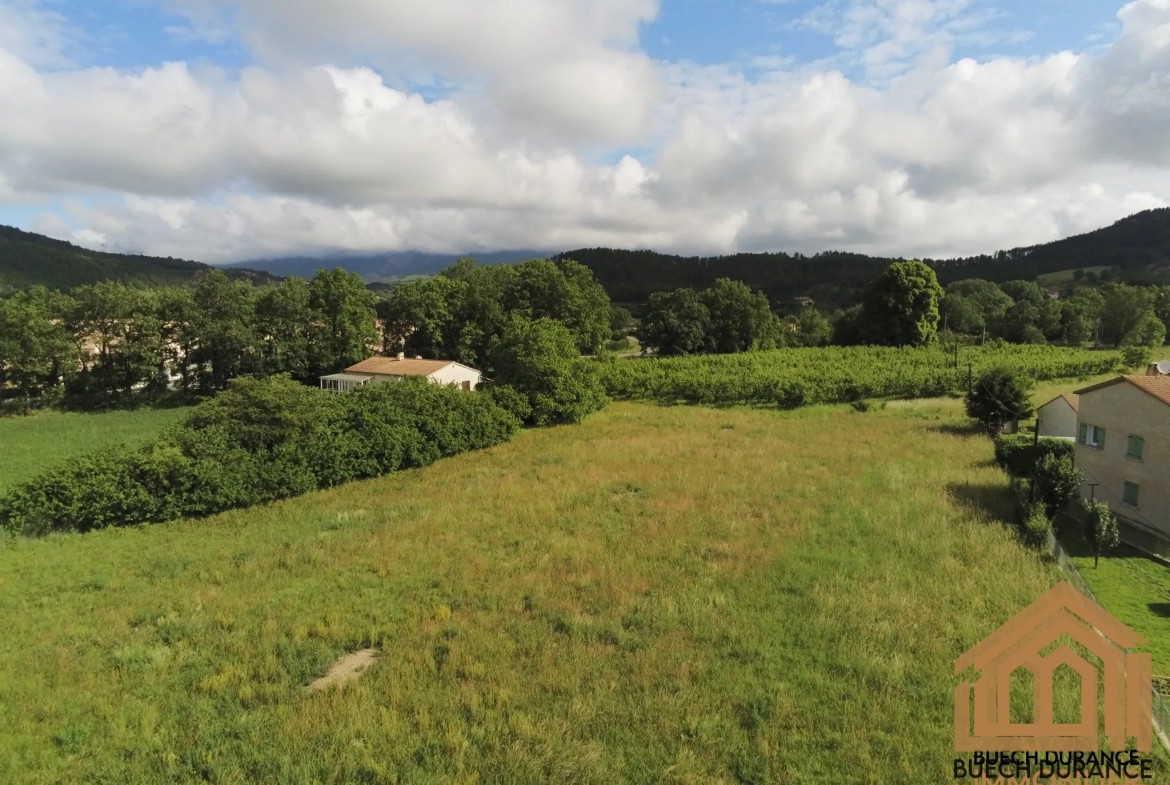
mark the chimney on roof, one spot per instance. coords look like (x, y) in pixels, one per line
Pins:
(401, 355)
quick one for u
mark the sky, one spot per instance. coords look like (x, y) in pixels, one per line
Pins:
(228, 130)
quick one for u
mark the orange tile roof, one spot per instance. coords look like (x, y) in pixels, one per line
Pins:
(1156, 386)
(392, 366)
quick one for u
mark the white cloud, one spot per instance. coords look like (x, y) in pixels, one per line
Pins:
(309, 152)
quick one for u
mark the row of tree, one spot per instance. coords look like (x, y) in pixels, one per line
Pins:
(906, 306)
(110, 341)
(1022, 312)
(726, 318)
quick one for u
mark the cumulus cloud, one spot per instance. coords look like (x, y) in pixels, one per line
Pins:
(305, 150)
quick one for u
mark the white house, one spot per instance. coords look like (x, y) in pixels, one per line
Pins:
(378, 370)
(1058, 417)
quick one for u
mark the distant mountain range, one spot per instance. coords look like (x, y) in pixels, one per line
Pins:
(1139, 246)
(383, 267)
(28, 259)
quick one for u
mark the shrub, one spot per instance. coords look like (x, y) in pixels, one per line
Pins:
(1057, 482)
(510, 400)
(1020, 456)
(1135, 356)
(1036, 528)
(257, 442)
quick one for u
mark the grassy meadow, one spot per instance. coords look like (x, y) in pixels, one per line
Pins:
(37, 441)
(659, 595)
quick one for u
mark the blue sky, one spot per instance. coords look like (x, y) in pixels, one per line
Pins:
(138, 33)
(698, 125)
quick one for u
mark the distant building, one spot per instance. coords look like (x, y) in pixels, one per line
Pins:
(804, 302)
(378, 370)
(1058, 417)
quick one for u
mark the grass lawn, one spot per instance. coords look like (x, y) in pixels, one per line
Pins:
(1132, 587)
(1066, 276)
(36, 441)
(659, 595)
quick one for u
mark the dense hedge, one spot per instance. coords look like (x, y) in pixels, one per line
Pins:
(1020, 456)
(796, 377)
(257, 442)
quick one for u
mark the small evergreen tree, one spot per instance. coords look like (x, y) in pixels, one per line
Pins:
(997, 398)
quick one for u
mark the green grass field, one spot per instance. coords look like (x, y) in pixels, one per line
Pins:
(1066, 276)
(659, 595)
(31, 443)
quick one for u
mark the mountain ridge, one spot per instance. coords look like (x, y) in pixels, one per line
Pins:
(1138, 245)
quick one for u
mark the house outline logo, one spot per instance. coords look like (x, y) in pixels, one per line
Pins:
(1128, 703)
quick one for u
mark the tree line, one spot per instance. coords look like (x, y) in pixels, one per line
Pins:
(108, 343)
(906, 306)
(1135, 245)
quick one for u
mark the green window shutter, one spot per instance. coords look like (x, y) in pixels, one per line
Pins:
(1136, 446)
(1100, 438)
(1084, 434)
(1130, 494)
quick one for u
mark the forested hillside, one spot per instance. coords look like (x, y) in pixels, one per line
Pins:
(28, 259)
(1139, 245)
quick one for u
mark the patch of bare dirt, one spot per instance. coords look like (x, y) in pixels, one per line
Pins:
(345, 669)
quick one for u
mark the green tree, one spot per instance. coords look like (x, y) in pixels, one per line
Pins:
(345, 319)
(285, 328)
(986, 296)
(1149, 332)
(564, 291)
(1034, 317)
(848, 326)
(176, 310)
(676, 323)
(1057, 482)
(36, 350)
(1136, 356)
(423, 318)
(741, 319)
(961, 315)
(540, 360)
(222, 330)
(1082, 315)
(809, 328)
(901, 306)
(997, 398)
(1100, 528)
(1162, 306)
(620, 322)
(1125, 310)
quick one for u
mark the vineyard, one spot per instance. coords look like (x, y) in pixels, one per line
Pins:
(798, 377)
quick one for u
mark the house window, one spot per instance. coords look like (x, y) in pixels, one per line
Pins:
(1130, 494)
(1136, 445)
(1092, 436)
